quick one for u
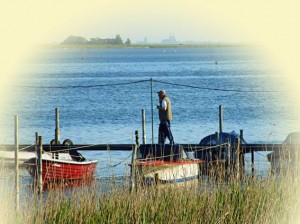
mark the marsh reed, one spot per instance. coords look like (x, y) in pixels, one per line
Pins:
(211, 199)
(250, 200)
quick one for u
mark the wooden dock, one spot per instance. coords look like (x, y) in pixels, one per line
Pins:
(246, 148)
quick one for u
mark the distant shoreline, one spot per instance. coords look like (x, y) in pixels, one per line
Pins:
(118, 46)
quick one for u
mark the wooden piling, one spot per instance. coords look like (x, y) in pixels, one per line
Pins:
(133, 163)
(220, 119)
(252, 162)
(237, 158)
(39, 164)
(144, 126)
(217, 138)
(242, 155)
(17, 187)
(57, 131)
(218, 148)
(228, 158)
(35, 180)
(152, 122)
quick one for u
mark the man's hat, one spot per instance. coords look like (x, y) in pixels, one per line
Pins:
(163, 92)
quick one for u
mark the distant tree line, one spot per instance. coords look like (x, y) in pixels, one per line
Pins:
(78, 40)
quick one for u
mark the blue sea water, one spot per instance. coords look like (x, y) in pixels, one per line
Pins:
(100, 93)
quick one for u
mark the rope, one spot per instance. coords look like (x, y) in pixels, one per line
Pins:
(90, 86)
(207, 148)
(26, 147)
(77, 148)
(219, 89)
(116, 164)
(153, 80)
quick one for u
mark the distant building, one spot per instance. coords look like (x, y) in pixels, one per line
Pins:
(170, 40)
(145, 41)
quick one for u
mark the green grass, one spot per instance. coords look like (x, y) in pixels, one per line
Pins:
(259, 200)
(250, 201)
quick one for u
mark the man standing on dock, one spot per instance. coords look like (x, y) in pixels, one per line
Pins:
(165, 116)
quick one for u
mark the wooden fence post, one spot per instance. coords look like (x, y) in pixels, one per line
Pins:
(39, 164)
(220, 119)
(228, 157)
(17, 187)
(242, 156)
(237, 158)
(133, 163)
(216, 149)
(144, 125)
(151, 86)
(57, 131)
(252, 162)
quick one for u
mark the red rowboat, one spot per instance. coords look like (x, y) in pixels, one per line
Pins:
(62, 166)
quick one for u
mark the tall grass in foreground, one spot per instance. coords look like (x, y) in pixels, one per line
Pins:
(275, 199)
(270, 200)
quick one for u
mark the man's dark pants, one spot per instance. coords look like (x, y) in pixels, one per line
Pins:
(164, 132)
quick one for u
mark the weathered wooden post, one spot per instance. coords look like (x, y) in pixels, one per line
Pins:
(36, 141)
(252, 162)
(217, 136)
(237, 158)
(216, 153)
(228, 157)
(39, 164)
(151, 86)
(57, 131)
(35, 180)
(133, 161)
(144, 125)
(220, 119)
(17, 199)
(242, 152)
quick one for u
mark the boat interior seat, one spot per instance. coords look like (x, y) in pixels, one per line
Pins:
(76, 156)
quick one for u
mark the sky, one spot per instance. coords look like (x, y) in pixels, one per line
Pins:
(274, 25)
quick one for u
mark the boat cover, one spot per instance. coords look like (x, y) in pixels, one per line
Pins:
(211, 139)
(218, 152)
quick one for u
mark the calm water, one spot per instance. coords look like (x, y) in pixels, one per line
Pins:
(94, 110)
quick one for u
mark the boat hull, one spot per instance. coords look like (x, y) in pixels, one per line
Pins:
(169, 172)
(54, 169)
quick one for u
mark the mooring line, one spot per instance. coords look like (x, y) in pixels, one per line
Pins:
(26, 147)
(219, 89)
(114, 165)
(89, 86)
(158, 81)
